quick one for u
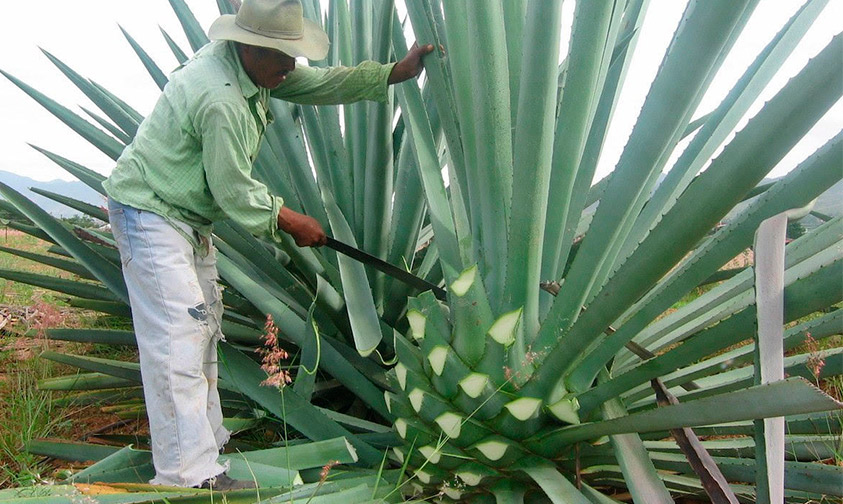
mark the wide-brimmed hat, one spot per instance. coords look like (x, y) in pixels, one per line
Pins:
(276, 24)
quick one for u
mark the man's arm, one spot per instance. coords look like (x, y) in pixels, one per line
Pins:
(336, 85)
(304, 229)
(411, 65)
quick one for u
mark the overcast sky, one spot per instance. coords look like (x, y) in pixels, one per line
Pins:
(85, 35)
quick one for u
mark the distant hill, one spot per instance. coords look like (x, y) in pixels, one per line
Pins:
(831, 201)
(75, 189)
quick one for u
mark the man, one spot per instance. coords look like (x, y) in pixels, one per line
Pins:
(190, 165)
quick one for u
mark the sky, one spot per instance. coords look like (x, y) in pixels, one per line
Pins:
(85, 35)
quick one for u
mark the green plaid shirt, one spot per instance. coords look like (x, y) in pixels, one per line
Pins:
(191, 160)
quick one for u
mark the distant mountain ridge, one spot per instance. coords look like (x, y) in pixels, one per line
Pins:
(831, 201)
(73, 189)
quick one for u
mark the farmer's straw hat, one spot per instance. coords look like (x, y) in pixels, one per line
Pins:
(276, 24)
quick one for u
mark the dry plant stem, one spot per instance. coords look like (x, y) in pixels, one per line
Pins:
(713, 481)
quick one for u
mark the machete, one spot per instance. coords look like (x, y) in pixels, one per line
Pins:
(381, 265)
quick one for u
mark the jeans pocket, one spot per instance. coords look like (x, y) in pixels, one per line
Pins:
(120, 230)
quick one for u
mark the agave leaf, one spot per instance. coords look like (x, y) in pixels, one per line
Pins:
(607, 266)
(492, 122)
(655, 252)
(105, 143)
(731, 241)
(418, 127)
(583, 195)
(729, 297)
(427, 31)
(795, 365)
(678, 87)
(72, 287)
(458, 59)
(151, 67)
(332, 361)
(378, 179)
(180, 55)
(302, 456)
(769, 363)
(115, 308)
(114, 130)
(290, 300)
(802, 447)
(246, 375)
(84, 381)
(86, 208)
(362, 313)
(195, 34)
(515, 18)
(91, 178)
(104, 336)
(70, 266)
(532, 158)
(99, 397)
(106, 272)
(555, 485)
(111, 367)
(264, 476)
(775, 399)
(126, 465)
(645, 485)
(730, 331)
(577, 110)
(819, 328)
(70, 450)
(724, 119)
(407, 218)
(804, 476)
(285, 134)
(121, 118)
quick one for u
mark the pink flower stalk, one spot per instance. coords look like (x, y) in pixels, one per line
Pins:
(326, 469)
(273, 354)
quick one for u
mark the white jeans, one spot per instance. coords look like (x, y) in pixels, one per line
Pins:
(176, 312)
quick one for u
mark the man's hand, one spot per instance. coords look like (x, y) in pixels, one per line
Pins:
(411, 66)
(306, 231)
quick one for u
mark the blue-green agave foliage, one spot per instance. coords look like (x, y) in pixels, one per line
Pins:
(557, 368)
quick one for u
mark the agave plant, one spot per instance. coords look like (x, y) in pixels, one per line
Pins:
(556, 366)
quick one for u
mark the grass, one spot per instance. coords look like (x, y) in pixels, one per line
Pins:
(28, 413)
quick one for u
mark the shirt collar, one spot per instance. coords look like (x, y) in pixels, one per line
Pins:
(247, 87)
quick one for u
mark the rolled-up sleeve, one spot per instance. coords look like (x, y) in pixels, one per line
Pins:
(336, 85)
(228, 167)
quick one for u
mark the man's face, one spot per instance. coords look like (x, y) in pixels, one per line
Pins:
(266, 67)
